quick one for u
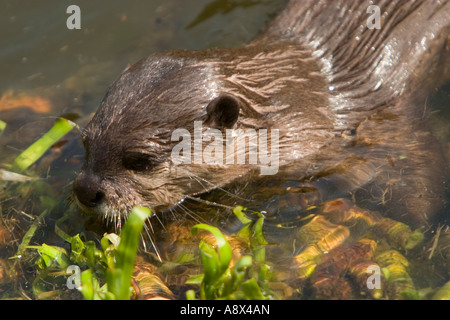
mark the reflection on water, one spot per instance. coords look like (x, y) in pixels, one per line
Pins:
(48, 70)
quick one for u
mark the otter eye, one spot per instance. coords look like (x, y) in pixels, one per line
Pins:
(137, 161)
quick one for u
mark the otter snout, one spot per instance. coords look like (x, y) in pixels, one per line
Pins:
(88, 191)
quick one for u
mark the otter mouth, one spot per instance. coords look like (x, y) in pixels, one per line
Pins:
(110, 214)
(114, 212)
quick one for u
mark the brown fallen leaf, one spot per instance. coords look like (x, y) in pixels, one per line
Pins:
(11, 100)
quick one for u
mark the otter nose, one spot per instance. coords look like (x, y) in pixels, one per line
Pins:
(87, 189)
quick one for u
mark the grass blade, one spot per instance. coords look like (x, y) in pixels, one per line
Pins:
(2, 127)
(38, 148)
(119, 277)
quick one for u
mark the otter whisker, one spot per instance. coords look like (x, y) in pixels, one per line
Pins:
(159, 220)
(150, 225)
(198, 180)
(213, 186)
(150, 238)
(192, 214)
(118, 222)
(209, 202)
(171, 210)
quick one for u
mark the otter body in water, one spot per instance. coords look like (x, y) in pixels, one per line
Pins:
(347, 103)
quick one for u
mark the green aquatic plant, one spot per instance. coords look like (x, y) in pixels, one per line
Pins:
(120, 271)
(246, 279)
(18, 181)
(2, 127)
(23, 162)
(37, 149)
(107, 272)
(443, 293)
(112, 265)
(33, 153)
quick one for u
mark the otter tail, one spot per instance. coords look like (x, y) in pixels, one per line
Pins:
(373, 51)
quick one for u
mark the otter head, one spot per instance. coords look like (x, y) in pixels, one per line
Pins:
(129, 141)
(160, 106)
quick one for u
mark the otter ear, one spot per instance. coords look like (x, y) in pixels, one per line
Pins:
(223, 111)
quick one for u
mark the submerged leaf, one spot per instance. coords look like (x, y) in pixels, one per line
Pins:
(52, 254)
(13, 176)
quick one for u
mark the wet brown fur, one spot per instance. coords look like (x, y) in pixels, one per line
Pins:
(348, 101)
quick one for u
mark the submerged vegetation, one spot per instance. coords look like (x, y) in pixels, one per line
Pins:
(329, 256)
(106, 272)
(223, 280)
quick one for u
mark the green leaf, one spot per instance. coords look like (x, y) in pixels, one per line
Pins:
(190, 295)
(37, 149)
(118, 284)
(197, 279)
(110, 243)
(215, 261)
(258, 234)
(237, 275)
(60, 232)
(119, 277)
(77, 250)
(2, 127)
(52, 254)
(223, 247)
(88, 284)
(29, 234)
(90, 287)
(210, 261)
(251, 290)
(110, 239)
(443, 293)
(238, 212)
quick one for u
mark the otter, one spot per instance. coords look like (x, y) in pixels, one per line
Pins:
(348, 103)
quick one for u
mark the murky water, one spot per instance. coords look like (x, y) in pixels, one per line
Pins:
(48, 70)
